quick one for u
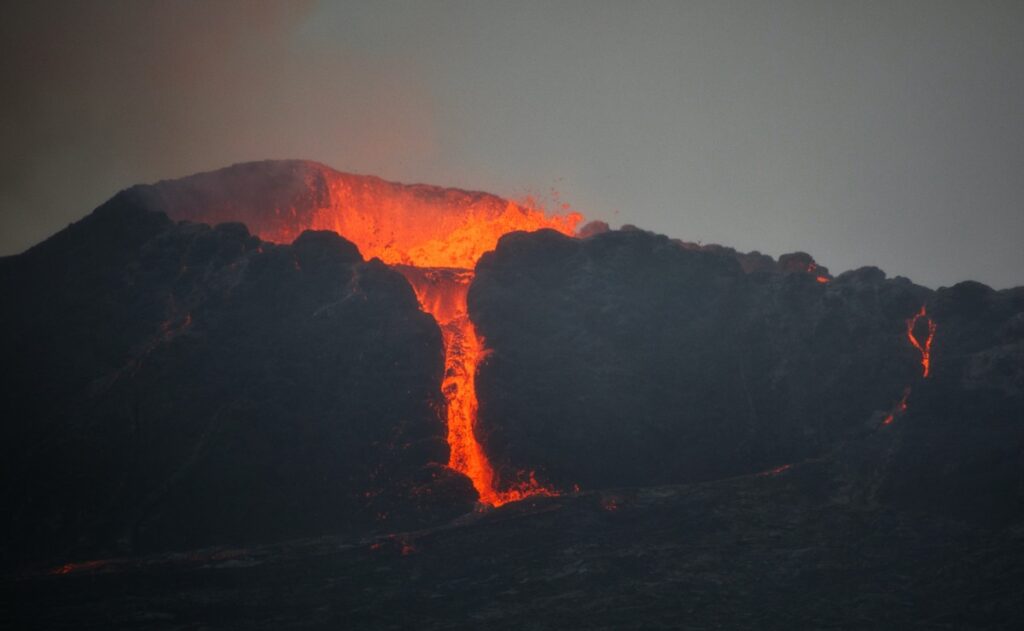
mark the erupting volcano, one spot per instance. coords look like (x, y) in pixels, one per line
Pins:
(433, 236)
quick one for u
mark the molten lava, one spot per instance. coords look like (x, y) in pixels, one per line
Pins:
(900, 408)
(925, 348)
(442, 293)
(418, 225)
(434, 236)
(436, 252)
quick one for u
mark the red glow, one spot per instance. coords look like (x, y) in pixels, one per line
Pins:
(900, 408)
(924, 348)
(812, 269)
(70, 568)
(422, 226)
(442, 293)
(435, 237)
(776, 471)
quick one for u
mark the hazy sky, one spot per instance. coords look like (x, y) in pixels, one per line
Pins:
(883, 133)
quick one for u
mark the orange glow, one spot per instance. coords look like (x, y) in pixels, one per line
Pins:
(812, 268)
(926, 347)
(900, 408)
(423, 226)
(434, 237)
(442, 293)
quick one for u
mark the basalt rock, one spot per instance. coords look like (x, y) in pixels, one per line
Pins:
(961, 450)
(169, 386)
(627, 358)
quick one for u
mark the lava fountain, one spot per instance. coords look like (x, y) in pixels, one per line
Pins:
(433, 236)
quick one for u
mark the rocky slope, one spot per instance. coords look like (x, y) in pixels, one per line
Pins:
(629, 358)
(173, 385)
(782, 551)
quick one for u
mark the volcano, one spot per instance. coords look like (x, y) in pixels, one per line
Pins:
(281, 373)
(433, 235)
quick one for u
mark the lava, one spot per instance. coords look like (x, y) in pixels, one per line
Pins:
(435, 248)
(442, 293)
(924, 348)
(900, 408)
(417, 225)
(775, 471)
(435, 239)
(71, 568)
(433, 236)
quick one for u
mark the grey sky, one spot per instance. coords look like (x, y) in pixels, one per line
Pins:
(884, 133)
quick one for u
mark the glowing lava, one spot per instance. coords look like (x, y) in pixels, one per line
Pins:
(434, 236)
(924, 348)
(436, 269)
(900, 408)
(442, 292)
(436, 252)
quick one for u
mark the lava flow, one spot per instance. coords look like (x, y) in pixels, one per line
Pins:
(442, 293)
(900, 408)
(924, 348)
(433, 236)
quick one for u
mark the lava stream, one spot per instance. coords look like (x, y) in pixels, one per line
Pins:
(443, 293)
(925, 348)
(434, 236)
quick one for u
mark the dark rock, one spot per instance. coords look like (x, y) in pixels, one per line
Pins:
(629, 359)
(172, 386)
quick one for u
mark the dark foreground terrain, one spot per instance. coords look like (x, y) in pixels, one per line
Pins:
(788, 549)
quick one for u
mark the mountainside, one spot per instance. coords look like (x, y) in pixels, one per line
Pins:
(173, 385)
(526, 423)
(625, 359)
